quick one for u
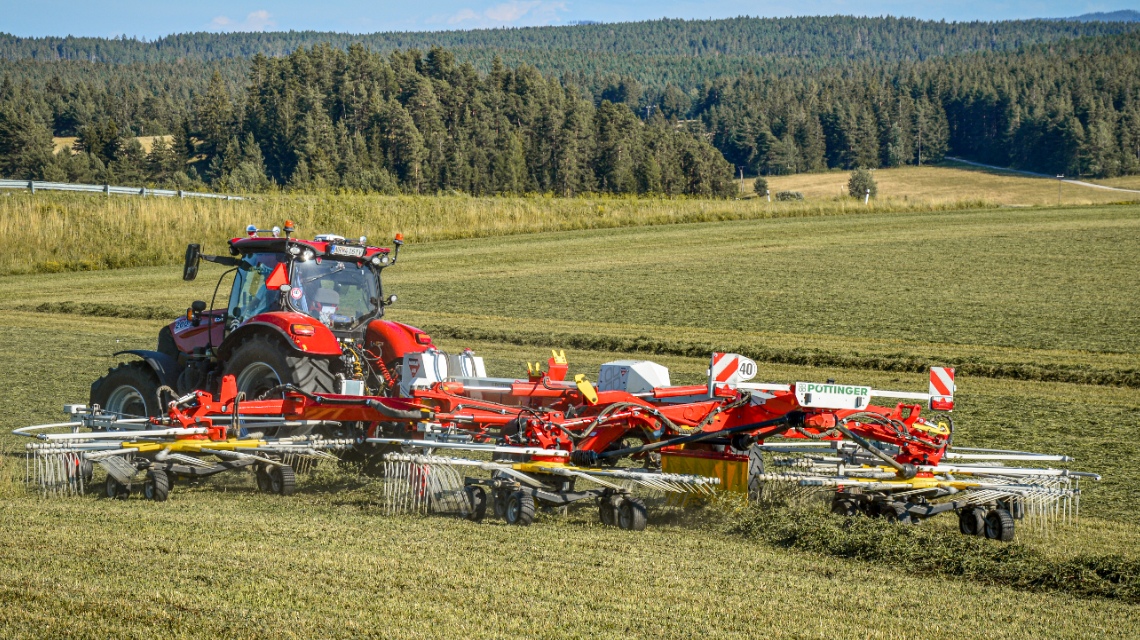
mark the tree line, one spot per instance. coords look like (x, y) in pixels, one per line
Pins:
(414, 122)
(354, 119)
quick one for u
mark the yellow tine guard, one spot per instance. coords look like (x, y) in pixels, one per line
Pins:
(559, 356)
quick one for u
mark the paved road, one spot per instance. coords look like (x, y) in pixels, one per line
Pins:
(1042, 175)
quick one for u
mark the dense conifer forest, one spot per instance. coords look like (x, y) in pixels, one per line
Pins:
(670, 106)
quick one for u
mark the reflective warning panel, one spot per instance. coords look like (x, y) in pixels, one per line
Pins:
(829, 395)
(731, 368)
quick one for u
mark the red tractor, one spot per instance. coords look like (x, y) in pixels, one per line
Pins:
(305, 313)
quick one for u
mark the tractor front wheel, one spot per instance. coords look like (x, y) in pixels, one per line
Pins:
(261, 363)
(130, 390)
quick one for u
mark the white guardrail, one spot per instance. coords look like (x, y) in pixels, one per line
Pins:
(106, 189)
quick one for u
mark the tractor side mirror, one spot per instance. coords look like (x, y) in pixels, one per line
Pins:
(193, 255)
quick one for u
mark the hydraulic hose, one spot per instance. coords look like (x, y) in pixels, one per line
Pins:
(384, 410)
(587, 458)
(906, 471)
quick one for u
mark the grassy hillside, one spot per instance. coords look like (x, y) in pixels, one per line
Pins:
(952, 182)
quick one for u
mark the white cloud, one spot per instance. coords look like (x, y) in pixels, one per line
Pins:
(530, 12)
(260, 20)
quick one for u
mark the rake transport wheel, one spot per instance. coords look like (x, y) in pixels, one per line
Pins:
(894, 513)
(846, 507)
(264, 484)
(519, 509)
(129, 390)
(499, 502)
(972, 521)
(157, 485)
(261, 363)
(608, 506)
(282, 480)
(632, 515)
(116, 490)
(999, 525)
(477, 502)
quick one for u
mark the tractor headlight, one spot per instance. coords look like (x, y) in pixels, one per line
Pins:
(295, 250)
(276, 232)
(307, 255)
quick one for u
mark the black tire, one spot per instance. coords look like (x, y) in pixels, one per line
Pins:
(264, 485)
(116, 490)
(632, 515)
(476, 502)
(845, 507)
(871, 509)
(129, 390)
(894, 513)
(157, 485)
(520, 509)
(608, 509)
(972, 521)
(999, 525)
(499, 503)
(282, 480)
(260, 363)
(86, 471)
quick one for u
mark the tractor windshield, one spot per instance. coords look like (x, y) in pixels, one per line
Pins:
(339, 294)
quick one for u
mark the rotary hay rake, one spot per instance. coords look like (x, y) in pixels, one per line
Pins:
(514, 446)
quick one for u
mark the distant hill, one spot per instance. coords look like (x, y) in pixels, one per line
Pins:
(1124, 15)
(730, 45)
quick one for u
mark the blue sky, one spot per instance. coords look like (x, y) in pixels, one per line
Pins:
(153, 18)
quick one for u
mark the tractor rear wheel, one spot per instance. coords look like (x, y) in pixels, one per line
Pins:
(129, 390)
(261, 363)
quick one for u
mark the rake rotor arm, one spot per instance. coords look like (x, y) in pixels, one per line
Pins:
(772, 427)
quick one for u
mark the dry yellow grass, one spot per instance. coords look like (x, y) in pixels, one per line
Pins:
(147, 142)
(63, 144)
(80, 231)
(953, 183)
(1123, 182)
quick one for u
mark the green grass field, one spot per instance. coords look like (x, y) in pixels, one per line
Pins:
(1035, 306)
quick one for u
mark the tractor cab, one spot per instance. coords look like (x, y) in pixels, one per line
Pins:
(333, 281)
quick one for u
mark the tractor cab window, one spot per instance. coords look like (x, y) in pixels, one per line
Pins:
(340, 294)
(249, 295)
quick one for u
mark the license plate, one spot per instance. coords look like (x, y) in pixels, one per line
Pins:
(354, 252)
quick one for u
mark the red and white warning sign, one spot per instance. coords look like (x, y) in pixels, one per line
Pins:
(730, 368)
(941, 388)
